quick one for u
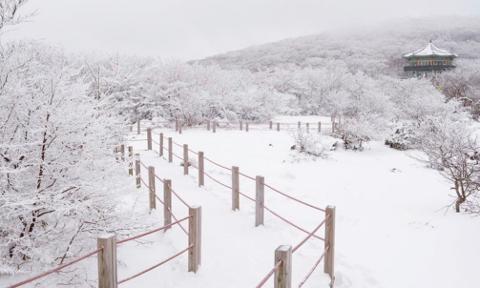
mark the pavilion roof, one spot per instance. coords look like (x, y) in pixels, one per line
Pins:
(429, 50)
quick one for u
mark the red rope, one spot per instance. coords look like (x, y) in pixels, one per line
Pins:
(154, 266)
(152, 231)
(311, 270)
(143, 164)
(246, 176)
(180, 198)
(176, 156)
(246, 196)
(294, 199)
(158, 178)
(308, 237)
(56, 269)
(171, 212)
(196, 153)
(215, 180)
(179, 145)
(269, 274)
(291, 223)
(173, 215)
(215, 163)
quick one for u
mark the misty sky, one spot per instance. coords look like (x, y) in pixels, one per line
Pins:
(189, 29)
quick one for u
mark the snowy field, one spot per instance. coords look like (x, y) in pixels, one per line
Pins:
(392, 226)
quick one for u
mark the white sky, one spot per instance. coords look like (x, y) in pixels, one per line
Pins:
(189, 29)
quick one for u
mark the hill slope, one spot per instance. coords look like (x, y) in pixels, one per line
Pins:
(372, 50)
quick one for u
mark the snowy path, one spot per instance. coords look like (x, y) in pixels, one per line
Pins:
(391, 228)
(235, 254)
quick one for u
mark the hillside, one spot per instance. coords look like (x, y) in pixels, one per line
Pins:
(373, 50)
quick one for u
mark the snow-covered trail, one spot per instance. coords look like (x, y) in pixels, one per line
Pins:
(234, 252)
(391, 228)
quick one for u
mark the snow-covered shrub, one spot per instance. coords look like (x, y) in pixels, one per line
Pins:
(403, 136)
(312, 144)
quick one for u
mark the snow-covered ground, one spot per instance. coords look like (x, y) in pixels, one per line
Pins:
(392, 228)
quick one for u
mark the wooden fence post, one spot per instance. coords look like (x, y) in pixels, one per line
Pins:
(176, 125)
(180, 126)
(201, 169)
(271, 125)
(246, 126)
(208, 125)
(138, 127)
(278, 126)
(151, 187)
(167, 199)
(330, 243)
(214, 126)
(122, 152)
(283, 275)
(241, 125)
(170, 150)
(333, 127)
(319, 127)
(194, 238)
(308, 127)
(130, 160)
(259, 200)
(137, 171)
(185, 159)
(235, 188)
(160, 141)
(149, 138)
(299, 124)
(107, 261)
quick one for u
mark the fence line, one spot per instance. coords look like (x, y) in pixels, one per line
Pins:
(152, 231)
(154, 266)
(56, 269)
(269, 274)
(285, 276)
(305, 279)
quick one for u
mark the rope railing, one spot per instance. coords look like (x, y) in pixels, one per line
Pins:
(305, 279)
(310, 234)
(143, 165)
(291, 223)
(308, 237)
(253, 179)
(56, 269)
(247, 176)
(171, 212)
(216, 181)
(173, 215)
(152, 231)
(217, 164)
(192, 151)
(294, 199)
(180, 198)
(158, 178)
(269, 274)
(178, 157)
(154, 266)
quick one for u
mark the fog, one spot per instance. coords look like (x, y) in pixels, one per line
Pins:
(190, 29)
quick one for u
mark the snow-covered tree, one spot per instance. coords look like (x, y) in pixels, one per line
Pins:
(57, 171)
(453, 149)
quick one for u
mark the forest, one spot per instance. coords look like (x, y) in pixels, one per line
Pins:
(62, 114)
